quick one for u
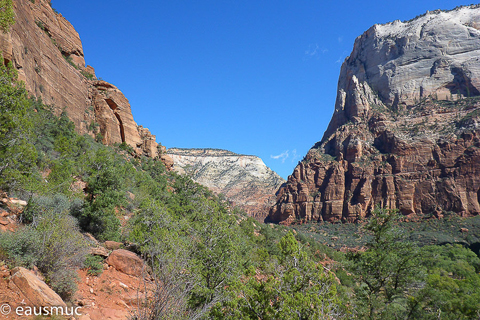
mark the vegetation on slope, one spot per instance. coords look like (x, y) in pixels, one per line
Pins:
(208, 261)
(7, 16)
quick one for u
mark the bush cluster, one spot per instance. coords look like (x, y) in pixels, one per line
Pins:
(94, 264)
(52, 242)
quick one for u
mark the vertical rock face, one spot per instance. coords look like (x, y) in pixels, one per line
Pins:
(244, 180)
(37, 44)
(405, 133)
(400, 63)
(47, 52)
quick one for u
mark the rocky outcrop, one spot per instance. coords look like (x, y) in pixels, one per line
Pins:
(47, 52)
(400, 63)
(10, 211)
(244, 180)
(405, 133)
(111, 295)
(113, 245)
(99, 251)
(126, 261)
(34, 289)
(114, 117)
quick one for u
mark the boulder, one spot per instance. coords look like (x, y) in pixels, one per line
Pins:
(167, 161)
(126, 261)
(113, 245)
(34, 289)
(18, 202)
(99, 251)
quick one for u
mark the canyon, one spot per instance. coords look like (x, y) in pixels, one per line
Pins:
(47, 53)
(404, 133)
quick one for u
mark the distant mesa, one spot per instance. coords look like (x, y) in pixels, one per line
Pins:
(203, 152)
(244, 180)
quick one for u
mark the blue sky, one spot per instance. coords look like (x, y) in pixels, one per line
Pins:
(252, 76)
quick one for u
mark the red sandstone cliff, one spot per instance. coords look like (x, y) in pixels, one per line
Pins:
(405, 133)
(47, 52)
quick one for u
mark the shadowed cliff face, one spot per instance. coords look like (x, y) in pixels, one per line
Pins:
(244, 180)
(405, 133)
(47, 52)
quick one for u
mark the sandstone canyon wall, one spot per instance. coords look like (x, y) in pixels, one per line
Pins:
(244, 180)
(405, 132)
(47, 52)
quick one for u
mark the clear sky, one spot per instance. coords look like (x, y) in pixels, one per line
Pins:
(251, 76)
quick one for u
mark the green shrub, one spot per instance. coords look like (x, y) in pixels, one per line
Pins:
(345, 279)
(99, 137)
(87, 75)
(62, 252)
(295, 288)
(20, 248)
(41, 25)
(388, 271)
(17, 154)
(126, 147)
(70, 61)
(452, 286)
(106, 194)
(7, 15)
(94, 265)
(52, 243)
(57, 204)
